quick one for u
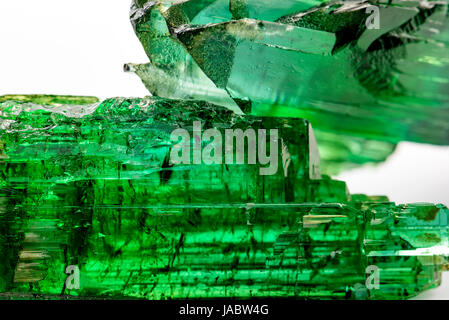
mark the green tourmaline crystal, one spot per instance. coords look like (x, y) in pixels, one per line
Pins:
(126, 143)
(339, 152)
(212, 251)
(48, 100)
(306, 59)
(182, 195)
(93, 186)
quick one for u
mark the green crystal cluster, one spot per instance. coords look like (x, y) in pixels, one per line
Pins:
(307, 59)
(94, 185)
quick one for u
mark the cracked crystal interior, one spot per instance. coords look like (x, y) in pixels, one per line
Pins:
(92, 184)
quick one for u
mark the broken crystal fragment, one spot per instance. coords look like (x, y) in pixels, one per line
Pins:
(315, 61)
(90, 187)
(129, 144)
(172, 72)
(340, 152)
(239, 250)
(180, 195)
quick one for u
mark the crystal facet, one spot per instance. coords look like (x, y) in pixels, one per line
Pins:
(311, 60)
(90, 186)
(212, 187)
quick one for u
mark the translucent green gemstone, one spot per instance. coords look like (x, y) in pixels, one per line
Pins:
(92, 186)
(48, 100)
(309, 60)
(339, 152)
(95, 185)
(126, 143)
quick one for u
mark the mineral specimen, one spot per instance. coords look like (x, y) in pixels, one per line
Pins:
(128, 144)
(309, 59)
(211, 187)
(93, 187)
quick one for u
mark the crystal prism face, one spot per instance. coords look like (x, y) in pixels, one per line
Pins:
(215, 251)
(305, 59)
(130, 144)
(93, 187)
(212, 187)
(339, 152)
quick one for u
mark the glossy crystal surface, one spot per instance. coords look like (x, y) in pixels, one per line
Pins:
(94, 185)
(308, 59)
(90, 185)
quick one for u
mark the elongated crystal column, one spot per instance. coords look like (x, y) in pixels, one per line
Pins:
(238, 250)
(127, 148)
(308, 59)
(93, 187)
(62, 157)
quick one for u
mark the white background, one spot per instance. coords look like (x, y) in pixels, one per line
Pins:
(79, 48)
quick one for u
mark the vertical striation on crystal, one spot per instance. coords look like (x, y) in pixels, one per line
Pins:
(91, 186)
(181, 195)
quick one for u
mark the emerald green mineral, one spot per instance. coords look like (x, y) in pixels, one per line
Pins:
(369, 86)
(211, 187)
(94, 187)
(309, 59)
